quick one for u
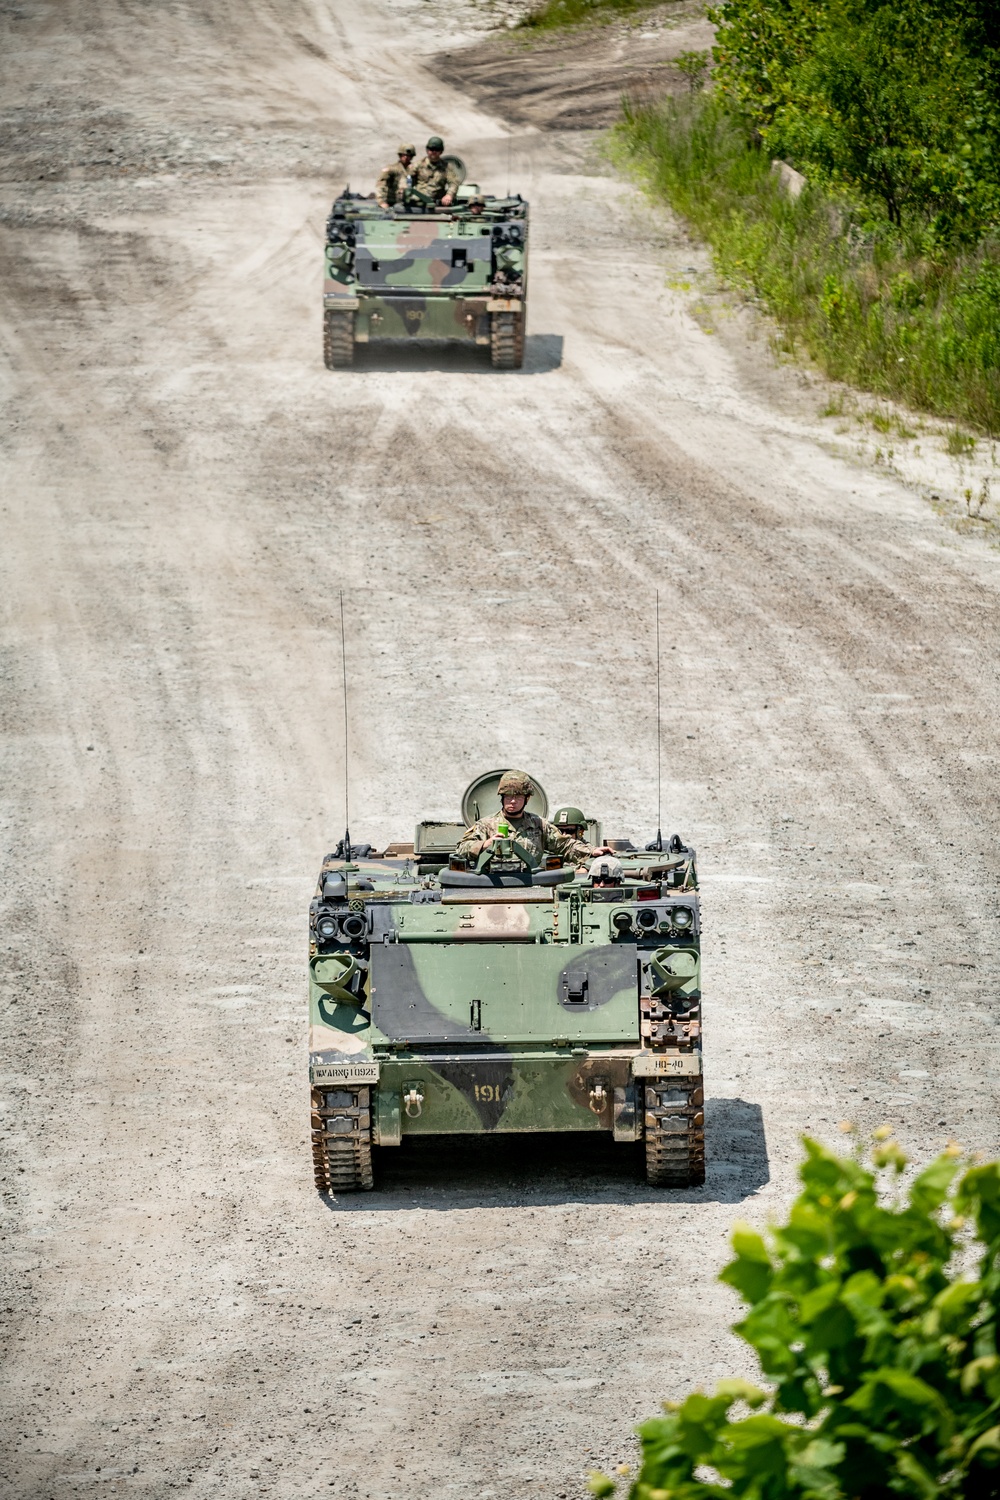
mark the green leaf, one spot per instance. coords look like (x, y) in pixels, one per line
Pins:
(740, 1390)
(979, 1194)
(989, 1440)
(977, 1370)
(930, 1187)
(888, 1393)
(751, 1273)
(920, 1481)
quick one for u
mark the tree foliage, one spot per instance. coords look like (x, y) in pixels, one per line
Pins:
(893, 101)
(881, 1357)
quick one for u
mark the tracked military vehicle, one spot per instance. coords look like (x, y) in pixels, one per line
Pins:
(417, 271)
(450, 997)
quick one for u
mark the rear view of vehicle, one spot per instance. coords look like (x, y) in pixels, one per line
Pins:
(419, 272)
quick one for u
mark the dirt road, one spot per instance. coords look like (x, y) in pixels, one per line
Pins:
(186, 490)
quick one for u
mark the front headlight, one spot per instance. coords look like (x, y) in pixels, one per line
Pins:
(683, 918)
(326, 927)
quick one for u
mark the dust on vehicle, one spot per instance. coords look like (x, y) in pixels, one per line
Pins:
(418, 271)
(504, 995)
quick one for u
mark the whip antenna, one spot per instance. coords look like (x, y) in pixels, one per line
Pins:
(347, 802)
(659, 737)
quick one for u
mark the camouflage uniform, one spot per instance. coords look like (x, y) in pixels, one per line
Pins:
(435, 178)
(535, 834)
(392, 184)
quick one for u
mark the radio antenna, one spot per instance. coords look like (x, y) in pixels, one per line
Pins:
(347, 801)
(659, 738)
(507, 194)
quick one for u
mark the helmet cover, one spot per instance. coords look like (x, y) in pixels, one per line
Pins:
(515, 784)
(571, 816)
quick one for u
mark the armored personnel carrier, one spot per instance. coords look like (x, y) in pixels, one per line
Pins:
(421, 272)
(505, 995)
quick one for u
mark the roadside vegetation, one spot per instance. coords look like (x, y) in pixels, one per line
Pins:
(886, 264)
(551, 14)
(873, 1317)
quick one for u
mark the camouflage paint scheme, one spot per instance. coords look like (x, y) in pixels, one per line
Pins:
(431, 275)
(512, 1009)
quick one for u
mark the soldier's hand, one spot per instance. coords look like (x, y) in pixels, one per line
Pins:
(447, 201)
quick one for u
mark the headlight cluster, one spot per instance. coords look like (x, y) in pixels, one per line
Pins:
(650, 919)
(345, 927)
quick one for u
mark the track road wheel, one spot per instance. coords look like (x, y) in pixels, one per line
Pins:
(338, 340)
(675, 1135)
(342, 1139)
(507, 340)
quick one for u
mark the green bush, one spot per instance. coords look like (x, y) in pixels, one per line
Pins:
(551, 14)
(898, 101)
(881, 1356)
(887, 307)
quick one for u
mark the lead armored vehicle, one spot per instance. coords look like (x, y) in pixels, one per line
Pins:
(421, 272)
(450, 998)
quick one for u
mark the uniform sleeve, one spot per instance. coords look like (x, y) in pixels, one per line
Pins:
(382, 186)
(471, 840)
(573, 850)
(452, 183)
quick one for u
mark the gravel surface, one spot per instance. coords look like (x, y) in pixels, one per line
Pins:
(186, 492)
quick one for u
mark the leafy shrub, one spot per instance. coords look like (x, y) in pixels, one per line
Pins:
(888, 308)
(551, 14)
(897, 101)
(882, 1357)
(694, 66)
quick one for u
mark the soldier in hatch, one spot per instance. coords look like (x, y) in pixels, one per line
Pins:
(534, 834)
(437, 178)
(394, 181)
(570, 820)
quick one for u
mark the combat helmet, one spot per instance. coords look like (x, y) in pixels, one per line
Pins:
(569, 817)
(434, 143)
(515, 784)
(405, 150)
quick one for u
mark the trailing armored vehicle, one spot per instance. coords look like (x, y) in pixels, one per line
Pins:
(417, 271)
(455, 998)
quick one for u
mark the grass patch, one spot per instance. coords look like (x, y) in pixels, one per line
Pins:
(872, 304)
(959, 444)
(552, 14)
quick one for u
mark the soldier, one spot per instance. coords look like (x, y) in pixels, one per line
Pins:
(532, 833)
(396, 178)
(436, 178)
(606, 871)
(572, 821)
(476, 206)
